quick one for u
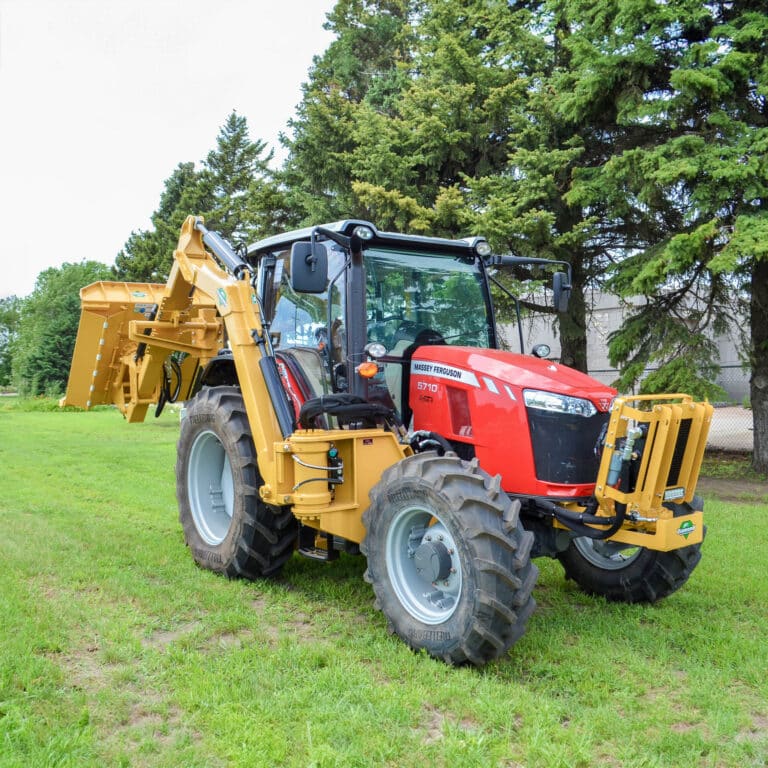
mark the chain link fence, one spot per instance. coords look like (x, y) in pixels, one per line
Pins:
(732, 427)
(732, 424)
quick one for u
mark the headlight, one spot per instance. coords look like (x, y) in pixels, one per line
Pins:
(483, 249)
(363, 232)
(551, 401)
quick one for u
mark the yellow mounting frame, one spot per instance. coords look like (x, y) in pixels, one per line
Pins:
(301, 462)
(677, 430)
(113, 327)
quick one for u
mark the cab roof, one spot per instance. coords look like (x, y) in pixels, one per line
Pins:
(464, 247)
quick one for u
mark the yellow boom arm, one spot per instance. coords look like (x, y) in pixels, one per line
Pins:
(127, 331)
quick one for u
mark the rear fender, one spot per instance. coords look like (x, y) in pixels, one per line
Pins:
(219, 372)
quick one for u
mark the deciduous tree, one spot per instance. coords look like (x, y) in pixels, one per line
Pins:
(47, 327)
(10, 309)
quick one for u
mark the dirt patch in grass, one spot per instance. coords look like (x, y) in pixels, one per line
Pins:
(227, 640)
(740, 490)
(164, 637)
(757, 731)
(298, 624)
(436, 722)
(139, 722)
(85, 669)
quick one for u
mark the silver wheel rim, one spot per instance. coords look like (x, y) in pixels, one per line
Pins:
(428, 601)
(210, 488)
(608, 555)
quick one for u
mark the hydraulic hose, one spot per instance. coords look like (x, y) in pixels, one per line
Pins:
(166, 396)
(142, 347)
(582, 522)
(423, 440)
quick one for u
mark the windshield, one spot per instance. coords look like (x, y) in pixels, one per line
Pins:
(409, 292)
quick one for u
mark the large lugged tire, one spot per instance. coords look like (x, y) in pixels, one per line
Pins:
(631, 574)
(448, 559)
(227, 526)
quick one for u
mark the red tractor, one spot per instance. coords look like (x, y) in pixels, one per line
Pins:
(345, 391)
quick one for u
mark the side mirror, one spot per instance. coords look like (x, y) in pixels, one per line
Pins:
(562, 291)
(309, 268)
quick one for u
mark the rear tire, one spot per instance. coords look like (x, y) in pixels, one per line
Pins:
(621, 573)
(448, 559)
(227, 527)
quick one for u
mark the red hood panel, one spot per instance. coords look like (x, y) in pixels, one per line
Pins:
(521, 371)
(474, 397)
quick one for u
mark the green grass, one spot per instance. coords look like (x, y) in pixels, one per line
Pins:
(115, 650)
(730, 465)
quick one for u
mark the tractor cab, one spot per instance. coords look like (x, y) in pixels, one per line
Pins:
(331, 316)
(406, 323)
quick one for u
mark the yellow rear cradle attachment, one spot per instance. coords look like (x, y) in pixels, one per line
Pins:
(113, 336)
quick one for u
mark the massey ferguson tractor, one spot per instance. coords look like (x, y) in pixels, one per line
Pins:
(344, 391)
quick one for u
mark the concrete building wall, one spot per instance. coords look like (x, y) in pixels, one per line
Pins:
(607, 316)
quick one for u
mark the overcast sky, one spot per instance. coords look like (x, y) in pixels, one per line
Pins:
(101, 99)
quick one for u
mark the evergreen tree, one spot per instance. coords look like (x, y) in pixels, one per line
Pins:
(556, 134)
(236, 178)
(234, 191)
(691, 80)
(467, 142)
(353, 89)
(148, 254)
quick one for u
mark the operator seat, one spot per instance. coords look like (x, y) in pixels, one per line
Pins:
(321, 408)
(312, 366)
(308, 368)
(425, 337)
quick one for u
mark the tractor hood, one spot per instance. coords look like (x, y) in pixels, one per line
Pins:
(489, 368)
(481, 401)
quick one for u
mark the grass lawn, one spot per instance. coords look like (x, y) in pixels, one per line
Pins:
(116, 650)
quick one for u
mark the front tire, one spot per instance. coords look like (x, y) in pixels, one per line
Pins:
(448, 559)
(227, 527)
(621, 573)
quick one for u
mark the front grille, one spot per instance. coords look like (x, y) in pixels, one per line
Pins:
(564, 446)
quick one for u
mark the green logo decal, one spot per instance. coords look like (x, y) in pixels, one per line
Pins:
(221, 293)
(686, 529)
(139, 294)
